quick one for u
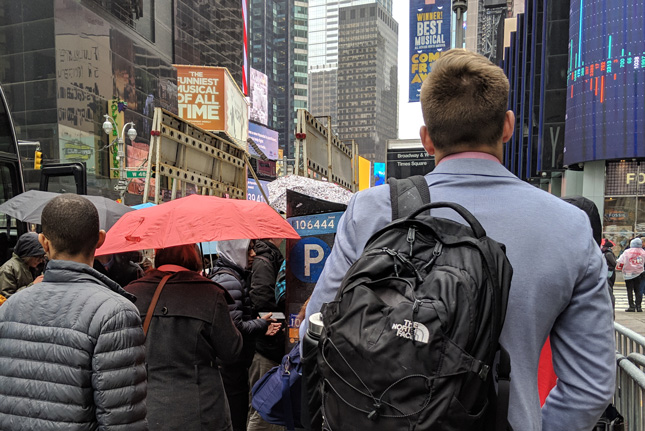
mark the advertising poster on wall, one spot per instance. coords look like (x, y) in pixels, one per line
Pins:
(429, 37)
(253, 192)
(209, 98)
(77, 146)
(316, 221)
(379, 174)
(200, 96)
(266, 139)
(364, 170)
(137, 161)
(237, 112)
(83, 66)
(259, 97)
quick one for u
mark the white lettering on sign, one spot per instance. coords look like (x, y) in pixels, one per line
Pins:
(311, 260)
(631, 177)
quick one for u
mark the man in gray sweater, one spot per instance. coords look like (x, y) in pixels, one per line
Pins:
(71, 347)
(558, 291)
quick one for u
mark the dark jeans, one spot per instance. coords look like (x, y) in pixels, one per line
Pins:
(236, 385)
(634, 286)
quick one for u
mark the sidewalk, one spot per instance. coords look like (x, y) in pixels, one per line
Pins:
(633, 321)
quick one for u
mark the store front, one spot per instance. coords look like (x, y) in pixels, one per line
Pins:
(624, 212)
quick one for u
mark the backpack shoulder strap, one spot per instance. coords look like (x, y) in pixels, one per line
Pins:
(408, 194)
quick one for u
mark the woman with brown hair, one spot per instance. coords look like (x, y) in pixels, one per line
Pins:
(190, 329)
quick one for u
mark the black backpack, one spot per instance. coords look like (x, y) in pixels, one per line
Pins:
(410, 339)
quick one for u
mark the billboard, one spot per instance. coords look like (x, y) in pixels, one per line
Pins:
(379, 174)
(253, 192)
(237, 111)
(605, 90)
(265, 138)
(429, 36)
(208, 98)
(364, 170)
(259, 97)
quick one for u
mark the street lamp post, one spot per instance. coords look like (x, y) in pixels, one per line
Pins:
(108, 126)
(459, 7)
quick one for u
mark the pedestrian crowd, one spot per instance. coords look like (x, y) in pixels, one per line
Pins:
(97, 343)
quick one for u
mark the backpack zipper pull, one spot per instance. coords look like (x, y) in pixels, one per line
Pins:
(438, 247)
(411, 235)
(374, 414)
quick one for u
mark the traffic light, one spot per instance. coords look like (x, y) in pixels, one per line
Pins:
(38, 159)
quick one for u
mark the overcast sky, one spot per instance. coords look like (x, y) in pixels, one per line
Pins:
(410, 118)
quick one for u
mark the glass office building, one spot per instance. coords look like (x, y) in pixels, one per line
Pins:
(367, 79)
(64, 64)
(278, 48)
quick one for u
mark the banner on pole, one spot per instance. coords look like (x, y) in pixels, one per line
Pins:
(429, 37)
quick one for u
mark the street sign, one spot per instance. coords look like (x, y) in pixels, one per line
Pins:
(121, 185)
(135, 174)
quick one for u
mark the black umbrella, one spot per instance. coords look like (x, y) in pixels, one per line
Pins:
(28, 207)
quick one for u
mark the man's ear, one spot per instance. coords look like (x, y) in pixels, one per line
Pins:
(42, 239)
(509, 126)
(101, 238)
(426, 141)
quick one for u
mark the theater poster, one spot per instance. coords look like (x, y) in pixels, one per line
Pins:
(429, 37)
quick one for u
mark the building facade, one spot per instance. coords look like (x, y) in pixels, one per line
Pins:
(278, 34)
(323, 53)
(64, 64)
(367, 78)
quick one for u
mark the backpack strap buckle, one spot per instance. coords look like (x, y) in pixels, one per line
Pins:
(481, 369)
(483, 372)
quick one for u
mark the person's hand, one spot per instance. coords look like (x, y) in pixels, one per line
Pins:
(268, 317)
(273, 329)
(38, 279)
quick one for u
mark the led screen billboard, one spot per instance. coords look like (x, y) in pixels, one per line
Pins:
(605, 81)
(266, 139)
(259, 97)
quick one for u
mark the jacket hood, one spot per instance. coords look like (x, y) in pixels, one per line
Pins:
(590, 208)
(234, 251)
(29, 246)
(266, 247)
(636, 243)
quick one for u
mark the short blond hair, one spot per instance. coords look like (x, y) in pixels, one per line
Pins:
(464, 101)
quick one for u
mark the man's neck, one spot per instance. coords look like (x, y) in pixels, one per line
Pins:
(470, 155)
(87, 260)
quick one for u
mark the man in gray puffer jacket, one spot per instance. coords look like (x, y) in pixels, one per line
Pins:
(71, 347)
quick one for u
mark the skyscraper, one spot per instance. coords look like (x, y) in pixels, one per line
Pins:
(367, 78)
(278, 48)
(63, 63)
(323, 53)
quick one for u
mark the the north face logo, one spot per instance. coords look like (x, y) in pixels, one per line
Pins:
(412, 331)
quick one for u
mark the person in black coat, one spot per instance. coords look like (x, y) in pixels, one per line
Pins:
(268, 350)
(121, 268)
(191, 329)
(231, 272)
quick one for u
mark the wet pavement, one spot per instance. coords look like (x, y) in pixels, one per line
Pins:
(633, 321)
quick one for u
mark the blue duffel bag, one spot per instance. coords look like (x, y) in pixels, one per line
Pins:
(276, 396)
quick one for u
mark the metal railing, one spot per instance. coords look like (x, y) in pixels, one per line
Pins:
(630, 378)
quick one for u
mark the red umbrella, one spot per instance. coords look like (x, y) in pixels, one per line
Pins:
(194, 219)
